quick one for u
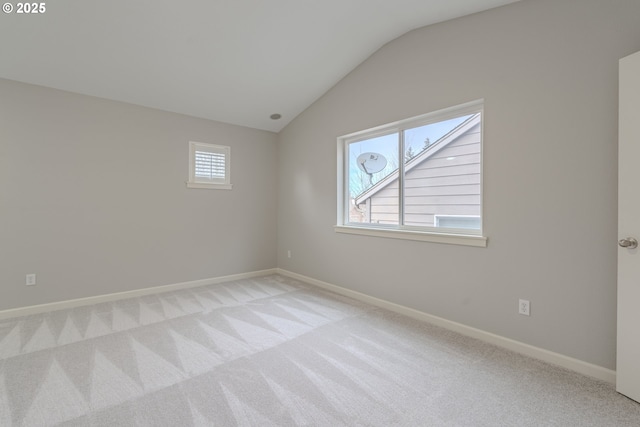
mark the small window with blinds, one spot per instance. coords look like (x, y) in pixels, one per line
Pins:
(209, 166)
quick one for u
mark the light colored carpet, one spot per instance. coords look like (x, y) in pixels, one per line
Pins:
(273, 351)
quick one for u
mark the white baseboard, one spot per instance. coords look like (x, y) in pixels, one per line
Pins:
(567, 362)
(35, 309)
(573, 364)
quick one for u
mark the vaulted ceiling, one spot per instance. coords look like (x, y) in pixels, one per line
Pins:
(235, 61)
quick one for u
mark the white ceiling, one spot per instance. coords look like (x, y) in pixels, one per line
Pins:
(235, 61)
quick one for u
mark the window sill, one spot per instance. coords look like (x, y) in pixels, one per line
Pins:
(208, 186)
(422, 236)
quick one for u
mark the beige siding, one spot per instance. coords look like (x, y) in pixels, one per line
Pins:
(447, 183)
(384, 207)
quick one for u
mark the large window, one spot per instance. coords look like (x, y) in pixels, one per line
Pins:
(416, 177)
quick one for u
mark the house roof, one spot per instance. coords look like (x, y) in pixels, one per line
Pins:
(423, 156)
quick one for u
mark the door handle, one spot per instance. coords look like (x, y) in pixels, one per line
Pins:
(629, 243)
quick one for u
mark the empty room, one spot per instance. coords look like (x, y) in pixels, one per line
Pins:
(319, 213)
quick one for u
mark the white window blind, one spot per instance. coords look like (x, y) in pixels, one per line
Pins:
(209, 166)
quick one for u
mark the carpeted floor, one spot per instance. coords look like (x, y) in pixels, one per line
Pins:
(273, 351)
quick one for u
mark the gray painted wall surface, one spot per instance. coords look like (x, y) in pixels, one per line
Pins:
(547, 71)
(93, 198)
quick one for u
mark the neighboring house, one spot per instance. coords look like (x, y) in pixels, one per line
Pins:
(442, 185)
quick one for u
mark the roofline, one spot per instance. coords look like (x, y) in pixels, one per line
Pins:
(445, 140)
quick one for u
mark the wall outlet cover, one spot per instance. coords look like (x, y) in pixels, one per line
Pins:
(30, 279)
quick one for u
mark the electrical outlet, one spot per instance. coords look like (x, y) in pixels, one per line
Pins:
(524, 307)
(30, 280)
(289, 254)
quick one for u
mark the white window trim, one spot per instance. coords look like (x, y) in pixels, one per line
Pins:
(193, 182)
(210, 186)
(421, 236)
(465, 238)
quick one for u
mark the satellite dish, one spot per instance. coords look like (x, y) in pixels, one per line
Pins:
(371, 163)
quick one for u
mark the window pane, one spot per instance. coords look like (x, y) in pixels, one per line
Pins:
(209, 166)
(442, 172)
(418, 174)
(468, 222)
(373, 167)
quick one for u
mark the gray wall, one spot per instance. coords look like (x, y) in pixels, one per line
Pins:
(547, 70)
(93, 198)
